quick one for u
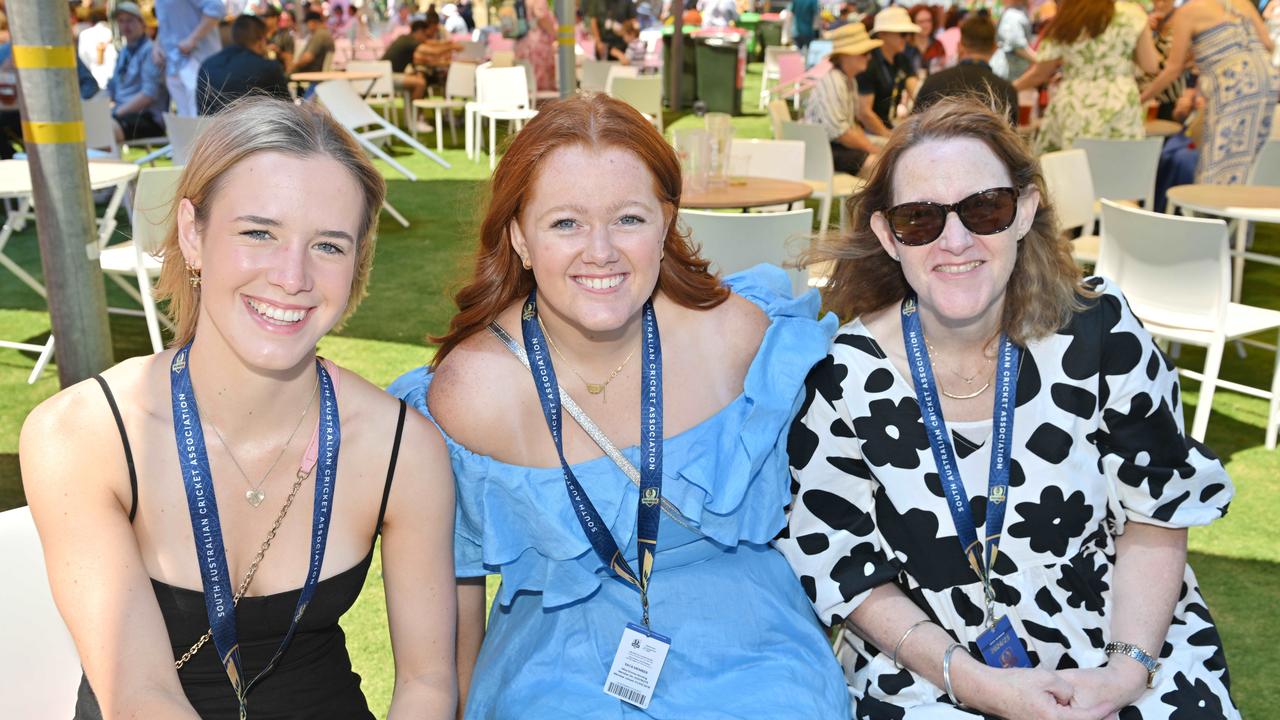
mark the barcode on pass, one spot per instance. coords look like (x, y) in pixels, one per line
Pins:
(626, 693)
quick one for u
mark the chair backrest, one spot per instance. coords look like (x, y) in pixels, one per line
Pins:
(618, 70)
(383, 87)
(782, 159)
(790, 66)
(182, 132)
(1123, 169)
(641, 93)
(1070, 186)
(41, 669)
(1174, 271)
(1266, 167)
(461, 81)
(503, 87)
(818, 49)
(771, 54)
(346, 106)
(818, 164)
(779, 112)
(737, 241)
(595, 75)
(153, 209)
(98, 131)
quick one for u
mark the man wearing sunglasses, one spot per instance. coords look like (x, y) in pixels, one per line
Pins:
(889, 76)
(834, 101)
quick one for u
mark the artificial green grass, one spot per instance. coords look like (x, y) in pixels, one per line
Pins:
(417, 269)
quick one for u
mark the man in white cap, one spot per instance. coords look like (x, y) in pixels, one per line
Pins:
(453, 22)
(889, 74)
(136, 87)
(834, 102)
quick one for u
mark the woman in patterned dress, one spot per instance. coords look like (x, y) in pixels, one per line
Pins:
(1101, 481)
(538, 46)
(1229, 43)
(1095, 43)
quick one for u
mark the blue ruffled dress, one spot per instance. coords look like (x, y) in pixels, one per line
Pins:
(744, 640)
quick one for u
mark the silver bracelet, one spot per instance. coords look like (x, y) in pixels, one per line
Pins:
(946, 673)
(898, 647)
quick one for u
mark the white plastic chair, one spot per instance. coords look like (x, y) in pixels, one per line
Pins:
(1123, 169)
(595, 75)
(1266, 167)
(769, 73)
(737, 241)
(382, 93)
(1070, 186)
(820, 173)
(781, 159)
(778, 113)
(183, 132)
(40, 667)
(791, 78)
(1176, 274)
(99, 134)
(471, 51)
(618, 70)
(502, 94)
(459, 87)
(346, 106)
(133, 264)
(643, 94)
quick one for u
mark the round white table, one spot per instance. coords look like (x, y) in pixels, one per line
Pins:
(1242, 203)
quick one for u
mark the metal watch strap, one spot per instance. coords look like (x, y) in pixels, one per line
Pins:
(1133, 651)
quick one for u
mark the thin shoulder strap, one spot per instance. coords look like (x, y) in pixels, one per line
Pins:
(124, 440)
(391, 469)
(593, 431)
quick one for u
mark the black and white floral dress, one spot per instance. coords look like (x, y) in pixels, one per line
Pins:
(1098, 442)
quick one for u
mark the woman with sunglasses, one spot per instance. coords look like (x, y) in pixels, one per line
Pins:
(992, 483)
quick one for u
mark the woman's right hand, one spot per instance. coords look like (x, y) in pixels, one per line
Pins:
(1021, 694)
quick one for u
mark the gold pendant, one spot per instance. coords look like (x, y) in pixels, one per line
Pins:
(255, 497)
(595, 388)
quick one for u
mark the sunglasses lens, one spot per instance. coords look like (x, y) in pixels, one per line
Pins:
(916, 223)
(987, 213)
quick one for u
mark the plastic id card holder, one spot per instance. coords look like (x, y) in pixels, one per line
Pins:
(636, 666)
(1001, 647)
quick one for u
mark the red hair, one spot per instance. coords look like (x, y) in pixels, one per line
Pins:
(593, 121)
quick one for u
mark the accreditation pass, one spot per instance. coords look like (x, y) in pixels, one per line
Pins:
(636, 665)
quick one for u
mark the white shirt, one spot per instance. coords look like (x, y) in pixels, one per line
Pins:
(98, 52)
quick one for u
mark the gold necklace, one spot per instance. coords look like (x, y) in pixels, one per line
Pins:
(593, 388)
(254, 495)
(967, 380)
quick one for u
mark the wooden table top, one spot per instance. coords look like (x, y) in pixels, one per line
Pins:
(1249, 202)
(1162, 128)
(746, 192)
(15, 175)
(323, 75)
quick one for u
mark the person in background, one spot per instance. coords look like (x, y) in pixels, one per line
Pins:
(844, 16)
(279, 35)
(187, 35)
(1096, 44)
(972, 75)
(1170, 102)
(1013, 35)
(240, 69)
(949, 37)
(137, 87)
(834, 102)
(538, 45)
(607, 17)
(400, 54)
(319, 45)
(889, 80)
(96, 47)
(454, 24)
(637, 51)
(718, 13)
(804, 22)
(925, 52)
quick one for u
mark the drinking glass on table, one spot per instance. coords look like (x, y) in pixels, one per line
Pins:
(720, 129)
(693, 147)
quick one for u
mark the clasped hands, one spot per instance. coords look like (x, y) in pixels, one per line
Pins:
(1073, 694)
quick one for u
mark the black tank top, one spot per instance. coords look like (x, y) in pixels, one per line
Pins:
(313, 679)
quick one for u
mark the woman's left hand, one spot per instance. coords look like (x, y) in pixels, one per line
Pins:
(1107, 689)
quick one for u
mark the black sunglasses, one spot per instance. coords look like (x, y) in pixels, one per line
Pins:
(986, 212)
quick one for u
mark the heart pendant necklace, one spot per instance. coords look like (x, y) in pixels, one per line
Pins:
(254, 495)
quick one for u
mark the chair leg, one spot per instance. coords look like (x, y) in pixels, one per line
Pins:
(1273, 407)
(149, 307)
(824, 216)
(439, 134)
(493, 143)
(1204, 405)
(844, 217)
(41, 362)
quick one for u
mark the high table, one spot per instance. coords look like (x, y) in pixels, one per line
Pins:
(15, 184)
(746, 192)
(1245, 204)
(351, 76)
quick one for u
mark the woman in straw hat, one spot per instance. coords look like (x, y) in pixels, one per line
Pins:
(834, 102)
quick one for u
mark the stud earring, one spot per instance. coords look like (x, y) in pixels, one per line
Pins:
(193, 275)
(525, 262)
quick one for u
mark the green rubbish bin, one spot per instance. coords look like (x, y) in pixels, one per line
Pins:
(721, 67)
(688, 79)
(748, 21)
(769, 31)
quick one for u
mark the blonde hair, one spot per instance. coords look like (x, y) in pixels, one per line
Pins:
(1046, 286)
(244, 128)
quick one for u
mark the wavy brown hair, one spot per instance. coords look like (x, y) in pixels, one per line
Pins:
(246, 127)
(1080, 19)
(1045, 288)
(592, 121)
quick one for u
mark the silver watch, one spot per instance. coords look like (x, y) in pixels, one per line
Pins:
(1137, 653)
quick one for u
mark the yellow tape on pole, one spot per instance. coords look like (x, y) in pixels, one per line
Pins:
(48, 133)
(44, 56)
(566, 36)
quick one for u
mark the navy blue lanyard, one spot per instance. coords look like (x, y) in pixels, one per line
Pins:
(203, 507)
(1006, 382)
(647, 511)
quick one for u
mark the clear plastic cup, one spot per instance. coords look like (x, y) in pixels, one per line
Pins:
(720, 132)
(693, 147)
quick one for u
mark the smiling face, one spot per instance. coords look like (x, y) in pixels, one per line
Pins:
(960, 278)
(592, 227)
(276, 255)
(924, 19)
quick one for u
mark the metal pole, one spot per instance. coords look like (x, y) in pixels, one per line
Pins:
(568, 75)
(676, 69)
(53, 132)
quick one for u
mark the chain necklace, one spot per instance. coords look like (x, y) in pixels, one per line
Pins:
(593, 388)
(254, 495)
(967, 380)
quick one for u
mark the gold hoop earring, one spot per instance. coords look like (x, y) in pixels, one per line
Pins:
(193, 275)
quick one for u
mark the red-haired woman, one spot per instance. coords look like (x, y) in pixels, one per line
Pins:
(926, 53)
(585, 292)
